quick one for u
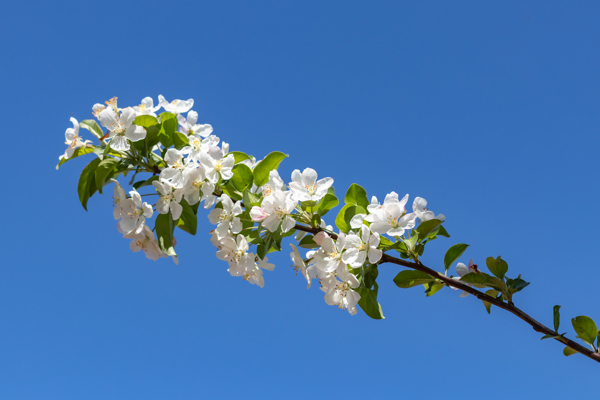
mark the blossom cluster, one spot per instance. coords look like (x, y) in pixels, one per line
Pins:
(251, 204)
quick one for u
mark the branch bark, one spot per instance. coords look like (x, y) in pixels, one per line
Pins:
(511, 308)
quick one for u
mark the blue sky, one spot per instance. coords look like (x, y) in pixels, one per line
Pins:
(489, 110)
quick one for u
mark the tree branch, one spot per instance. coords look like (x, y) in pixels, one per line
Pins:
(537, 326)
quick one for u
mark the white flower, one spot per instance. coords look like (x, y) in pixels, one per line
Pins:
(176, 106)
(299, 264)
(215, 164)
(176, 166)
(134, 213)
(332, 256)
(278, 207)
(305, 186)
(195, 184)
(421, 211)
(169, 199)
(73, 140)
(376, 208)
(198, 146)
(275, 184)
(342, 295)
(462, 270)
(145, 241)
(146, 107)
(392, 219)
(118, 198)
(190, 127)
(235, 252)
(121, 127)
(366, 245)
(226, 217)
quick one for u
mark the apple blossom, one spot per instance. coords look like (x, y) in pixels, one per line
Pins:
(176, 106)
(366, 244)
(306, 187)
(392, 219)
(226, 217)
(73, 140)
(300, 265)
(146, 107)
(121, 127)
(169, 199)
(190, 127)
(278, 207)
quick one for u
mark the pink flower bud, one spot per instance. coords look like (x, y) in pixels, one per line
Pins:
(319, 237)
(257, 214)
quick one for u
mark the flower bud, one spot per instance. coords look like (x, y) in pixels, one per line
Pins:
(319, 237)
(257, 214)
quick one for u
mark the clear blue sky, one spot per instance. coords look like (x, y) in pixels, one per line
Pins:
(489, 110)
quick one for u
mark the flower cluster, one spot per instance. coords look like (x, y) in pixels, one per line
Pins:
(251, 204)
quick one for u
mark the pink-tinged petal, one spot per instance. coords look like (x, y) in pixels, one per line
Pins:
(319, 237)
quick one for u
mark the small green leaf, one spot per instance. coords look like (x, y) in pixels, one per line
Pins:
(556, 317)
(78, 152)
(188, 221)
(356, 195)
(250, 200)
(92, 126)
(586, 328)
(368, 302)
(145, 121)
(164, 226)
(268, 164)
(491, 293)
(410, 242)
(168, 126)
(432, 288)
(409, 278)
(342, 221)
(242, 177)
(87, 182)
(307, 242)
(180, 140)
(104, 171)
(425, 228)
(443, 232)
(474, 278)
(147, 182)
(238, 156)
(569, 351)
(497, 266)
(327, 203)
(453, 254)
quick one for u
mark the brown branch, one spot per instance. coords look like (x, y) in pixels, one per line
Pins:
(537, 326)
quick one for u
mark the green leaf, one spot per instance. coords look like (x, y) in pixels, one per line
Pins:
(586, 328)
(168, 127)
(385, 242)
(342, 221)
(516, 285)
(242, 177)
(145, 121)
(327, 203)
(453, 254)
(238, 156)
(409, 278)
(474, 278)
(308, 242)
(356, 195)
(78, 152)
(104, 171)
(147, 182)
(432, 288)
(87, 182)
(369, 276)
(268, 164)
(443, 232)
(188, 221)
(250, 200)
(180, 140)
(410, 242)
(488, 306)
(425, 228)
(569, 351)
(92, 126)
(497, 266)
(368, 302)
(556, 317)
(164, 226)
